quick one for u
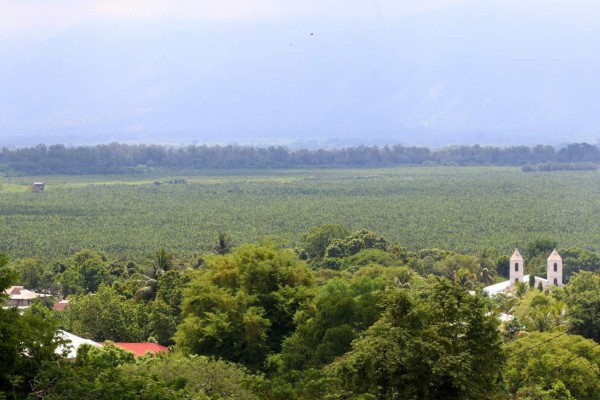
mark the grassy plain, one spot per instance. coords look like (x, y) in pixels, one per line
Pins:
(461, 208)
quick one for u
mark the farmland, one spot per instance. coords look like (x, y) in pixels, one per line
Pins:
(461, 208)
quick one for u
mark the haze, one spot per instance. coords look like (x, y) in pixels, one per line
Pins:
(299, 72)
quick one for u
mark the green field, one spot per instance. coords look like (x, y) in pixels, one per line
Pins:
(461, 208)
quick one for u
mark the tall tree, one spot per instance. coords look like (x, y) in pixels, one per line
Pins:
(27, 341)
(240, 306)
(437, 343)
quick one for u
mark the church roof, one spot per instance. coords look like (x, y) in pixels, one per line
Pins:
(516, 256)
(554, 256)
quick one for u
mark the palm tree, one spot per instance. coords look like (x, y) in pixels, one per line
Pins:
(161, 262)
(520, 289)
(223, 244)
(486, 277)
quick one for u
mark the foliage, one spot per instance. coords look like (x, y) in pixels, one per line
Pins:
(540, 311)
(115, 157)
(241, 306)
(434, 343)
(462, 209)
(106, 315)
(26, 342)
(223, 245)
(341, 311)
(576, 259)
(583, 299)
(317, 239)
(197, 375)
(542, 365)
(84, 272)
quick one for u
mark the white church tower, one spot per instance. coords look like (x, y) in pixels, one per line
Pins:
(555, 269)
(516, 268)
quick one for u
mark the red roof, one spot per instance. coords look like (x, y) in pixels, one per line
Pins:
(139, 349)
(61, 305)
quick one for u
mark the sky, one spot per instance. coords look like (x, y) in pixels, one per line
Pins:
(433, 72)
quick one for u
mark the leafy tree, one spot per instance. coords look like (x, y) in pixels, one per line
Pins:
(350, 245)
(370, 256)
(317, 239)
(543, 246)
(582, 296)
(452, 263)
(341, 311)
(503, 266)
(84, 273)
(106, 315)
(31, 273)
(436, 343)
(27, 341)
(545, 363)
(540, 311)
(241, 306)
(197, 375)
(576, 259)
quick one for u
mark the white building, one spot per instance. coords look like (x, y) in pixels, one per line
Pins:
(516, 268)
(554, 273)
(555, 269)
(18, 296)
(69, 350)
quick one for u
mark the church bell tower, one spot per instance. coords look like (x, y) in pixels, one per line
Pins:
(516, 268)
(555, 269)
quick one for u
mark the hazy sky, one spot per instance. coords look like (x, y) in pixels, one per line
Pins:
(43, 16)
(423, 72)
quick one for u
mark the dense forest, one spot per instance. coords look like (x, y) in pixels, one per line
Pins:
(348, 315)
(119, 158)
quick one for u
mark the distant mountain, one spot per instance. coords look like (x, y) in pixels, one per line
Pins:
(488, 76)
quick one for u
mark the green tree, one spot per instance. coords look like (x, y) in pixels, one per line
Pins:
(32, 274)
(435, 343)
(576, 259)
(161, 261)
(240, 306)
(317, 239)
(84, 272)
(546, 362)
(106, 315)
(196, 376)
(341, 311)
(27, 341)
(582, 296)
(223, 244)
(540, 311)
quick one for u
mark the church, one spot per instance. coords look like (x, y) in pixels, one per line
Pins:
(517, 269)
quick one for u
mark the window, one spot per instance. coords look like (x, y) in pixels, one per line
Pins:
(555, 282)
(516, 280)
(555, 267)
(516, 267)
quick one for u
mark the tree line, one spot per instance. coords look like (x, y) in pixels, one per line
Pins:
(121, 158)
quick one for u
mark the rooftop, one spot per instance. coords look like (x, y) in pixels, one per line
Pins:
(554, 256)
(516, 256)
(139, 349)
(75, 342)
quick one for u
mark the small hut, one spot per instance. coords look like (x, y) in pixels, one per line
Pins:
(38, 187)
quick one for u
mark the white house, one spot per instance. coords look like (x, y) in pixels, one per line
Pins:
(18, 296)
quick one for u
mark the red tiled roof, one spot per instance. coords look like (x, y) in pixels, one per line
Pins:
(139, 349)
(61, 305)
